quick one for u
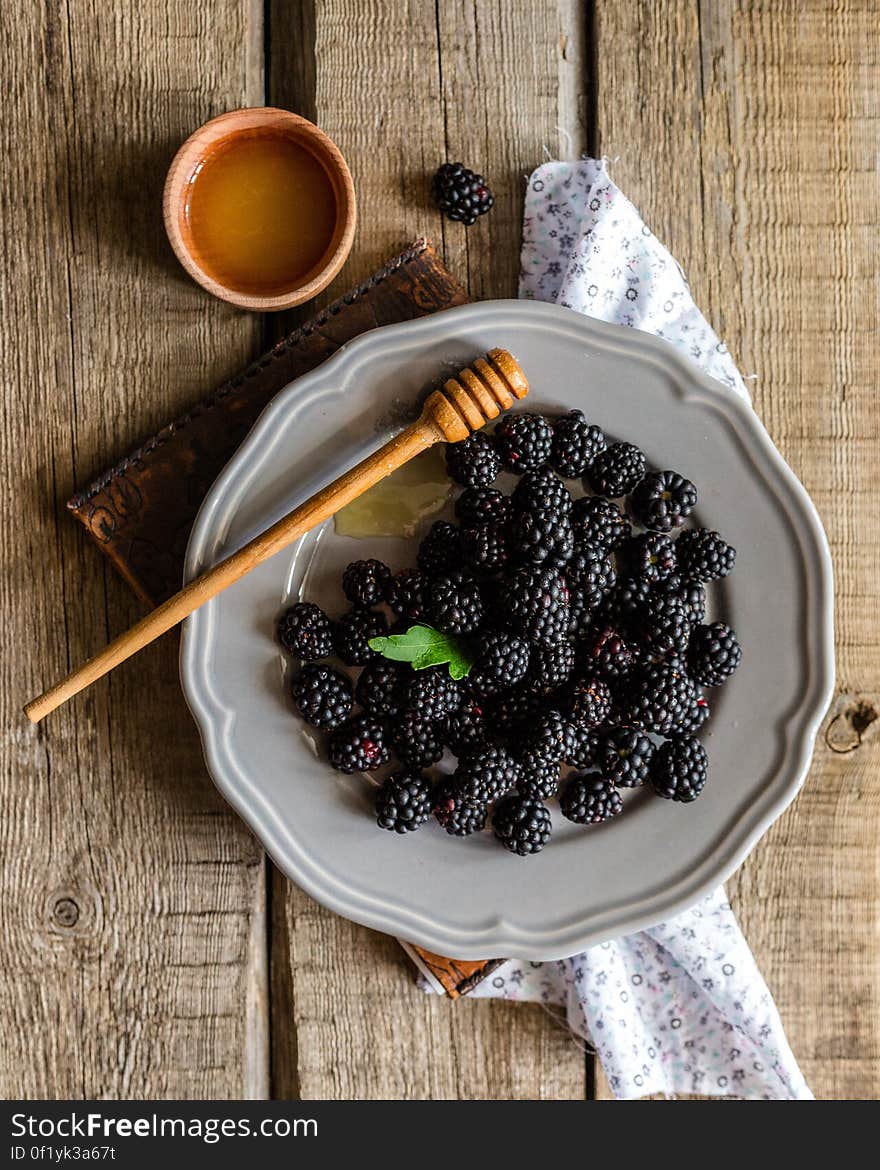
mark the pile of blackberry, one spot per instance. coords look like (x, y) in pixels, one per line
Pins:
(584, 617)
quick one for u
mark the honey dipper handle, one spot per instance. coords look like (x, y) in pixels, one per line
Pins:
(319, 507)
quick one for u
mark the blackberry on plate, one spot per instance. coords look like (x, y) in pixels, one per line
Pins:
(403, 802)
(590, 571)
(460, 194)
(624, 603)
(353, 633)
(550, 666)
(600, 522)
(379, 689)
(467, 728)
(590, 799)
(515, 711)
(588, 702)
(624, 756)
(662, 500)
(534, 601)
(616, 470)
(666, 623)
(482, 505)
(691, 592)
(418, 742)
(364, 582)
(703, 555)
(322, 695)
(306, 631)
(662, 699)
(607, 654)
(405, 594)
(457, 812)
(524, 441)
(542, 537)
(651, 555)
(540, 779)
(455, 604)
(359, 745)
(679, 768)
(542, 491)
(522, 824)
(488, 774)
(431, 693)
(473, 462)
(582, 747)
(714, 654)
(575, 444)
(545, 739)
(485, 546)
(501, 663)
(440, 550)
(695, 716)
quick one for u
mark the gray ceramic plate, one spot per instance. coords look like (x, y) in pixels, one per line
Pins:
(471, 898)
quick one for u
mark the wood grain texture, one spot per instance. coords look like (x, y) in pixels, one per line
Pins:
(392, 83)
(130, 953)
(747, 133)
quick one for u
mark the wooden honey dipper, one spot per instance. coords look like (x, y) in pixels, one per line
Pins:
(466, 403)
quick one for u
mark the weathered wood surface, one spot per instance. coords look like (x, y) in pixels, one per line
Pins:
(144, 949)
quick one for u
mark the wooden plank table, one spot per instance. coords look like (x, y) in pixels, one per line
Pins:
(147, 949)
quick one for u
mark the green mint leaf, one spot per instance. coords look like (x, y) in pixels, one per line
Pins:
(422, 647)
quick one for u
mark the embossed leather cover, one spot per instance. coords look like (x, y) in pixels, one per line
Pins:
(140, 511)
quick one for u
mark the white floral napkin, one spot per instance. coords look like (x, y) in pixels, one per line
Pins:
(680, 1008)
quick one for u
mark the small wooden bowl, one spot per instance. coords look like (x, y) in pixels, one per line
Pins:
(202, 144)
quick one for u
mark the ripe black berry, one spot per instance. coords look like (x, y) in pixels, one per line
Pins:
(359, 745)
(379, 689)
(487, 774)
(703, 555)
(535, 604)
(651, 555)
(364, 582)
(322, 695)
(473, 462)
(575, 444)
(679, 769)
(624, 756)
(524, 441)
(662, 500)
(440, 551)
(542, 491)
(455, 604)
(456, 811)
(353, 633)
(405, 594)
(616, 470)
(599, 521)
(460, 194)
(588, 703)
(306, 631)
(501, 663)
(403, 802)
(522, 824)
(589, 800)
(482, 505)
(714, 654)
(418, 742)
(431, 693)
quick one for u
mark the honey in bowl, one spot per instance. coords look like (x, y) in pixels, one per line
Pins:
(260, 212)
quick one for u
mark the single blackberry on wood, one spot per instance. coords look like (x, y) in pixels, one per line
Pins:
(353, 633)
(665, 623)
(467, 728)
(691, 592)
(322, 695)
(534, 601)
(431, 693)
(600, 522)
(455, 604)
(359, 745)
(522, 824)
(679, 769)
(662, 699)
(651, 556)
(662, 500)
(473, 462)
(364, 582)
(575, 444)
(591, 573)
(624, 756)
(542, 491)
(616, 470)
(588, 702)
(703, 555)
(486, 775)
(456, 811)
(440, 550)
(590, 799)
(418, 742)
(460, 194)
(540, 778)
(403, 802)
(405, 594)
(501, 663)
(485, 546)
(607, 654)
(379, 689)
(550, 665)
(306, 631)
(524, 441)
(541, 537)
(482, 505)
(714, 654)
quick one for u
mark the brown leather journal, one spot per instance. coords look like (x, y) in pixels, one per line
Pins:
(140, 511)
